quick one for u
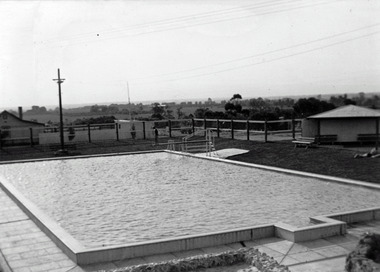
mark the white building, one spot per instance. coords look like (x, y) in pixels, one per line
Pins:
(346, 122)
(140, 129)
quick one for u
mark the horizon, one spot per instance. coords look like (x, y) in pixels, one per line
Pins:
(177, 50)
(177, 101)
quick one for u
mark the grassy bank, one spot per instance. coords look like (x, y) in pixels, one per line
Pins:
(321, 160)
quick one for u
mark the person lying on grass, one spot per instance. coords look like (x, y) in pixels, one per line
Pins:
(372, 154)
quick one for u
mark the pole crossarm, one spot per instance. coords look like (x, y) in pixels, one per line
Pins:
(59, 81)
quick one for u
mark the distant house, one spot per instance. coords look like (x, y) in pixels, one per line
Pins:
(15, 130)
(346, 122)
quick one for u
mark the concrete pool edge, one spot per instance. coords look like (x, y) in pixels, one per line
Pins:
(327, 225)
(68, 244)
(83, 156)
(286, 171)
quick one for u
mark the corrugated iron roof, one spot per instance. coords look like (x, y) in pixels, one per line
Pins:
(348, 111)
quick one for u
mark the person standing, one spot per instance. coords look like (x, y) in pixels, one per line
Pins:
(133, 131)
(155, 135)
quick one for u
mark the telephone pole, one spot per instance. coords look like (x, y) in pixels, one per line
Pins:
(129, 103)
(60, 81)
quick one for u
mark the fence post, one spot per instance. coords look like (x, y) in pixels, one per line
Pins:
(217, 128)
(117, 132)
(377, 134)
(89, 132)
(293, 128)
(31, 136)
(318, 130)
(204, 125)
(193, 123)
(0, 140)
(144, 133)
(170, 128)
(266, 130)
(232, 128)
(247, 130)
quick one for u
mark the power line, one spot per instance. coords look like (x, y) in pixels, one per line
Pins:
(266, 61)
(260, 54)
(204, 23)
(180, 19)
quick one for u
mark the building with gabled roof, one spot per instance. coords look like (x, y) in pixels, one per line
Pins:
(346, 122)
(10, 120)
(15, 130)
(348, 111)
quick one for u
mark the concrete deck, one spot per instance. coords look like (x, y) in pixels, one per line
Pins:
(225, 153)
(25, 248)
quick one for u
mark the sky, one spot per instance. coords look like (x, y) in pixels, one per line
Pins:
(155, 50)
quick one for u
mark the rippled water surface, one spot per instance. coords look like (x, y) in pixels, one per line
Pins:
(131, 198)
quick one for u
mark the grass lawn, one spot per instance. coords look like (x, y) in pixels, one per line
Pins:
(321, 160)
(327, 161)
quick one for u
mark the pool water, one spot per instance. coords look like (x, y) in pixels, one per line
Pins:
(113, 200)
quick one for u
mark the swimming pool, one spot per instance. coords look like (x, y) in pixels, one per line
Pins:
(114, 200)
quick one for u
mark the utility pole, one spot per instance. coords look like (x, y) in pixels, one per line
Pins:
(129, 103)
(59, 81)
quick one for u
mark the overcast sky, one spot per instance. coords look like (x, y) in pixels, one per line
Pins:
(179, 50)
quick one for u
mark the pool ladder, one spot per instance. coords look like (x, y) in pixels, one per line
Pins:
(205, 146)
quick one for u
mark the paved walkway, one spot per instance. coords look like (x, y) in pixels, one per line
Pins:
(25, 248)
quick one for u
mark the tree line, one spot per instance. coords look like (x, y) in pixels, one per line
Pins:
(236, 107)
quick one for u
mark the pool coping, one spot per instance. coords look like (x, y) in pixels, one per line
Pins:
(325, 225)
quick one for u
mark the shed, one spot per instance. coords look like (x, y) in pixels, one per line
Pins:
(348, 123)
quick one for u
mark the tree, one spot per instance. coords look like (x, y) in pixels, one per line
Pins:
(258, 104)
(201, 112)
(180, 114)
(305, 107)
(97, 120)
(349, 101)
(236, 97)
(169, 113)
(157, 111)
(229, 107)
(233, 106)
(37, 110)
(94, 108)
(209, 101)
